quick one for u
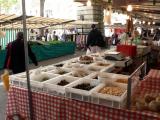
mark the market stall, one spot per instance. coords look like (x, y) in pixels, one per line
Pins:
(48, 51)
(74, 89)
(95, 86)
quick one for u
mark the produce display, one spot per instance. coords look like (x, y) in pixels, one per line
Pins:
(149, 102)
(79, 73)
(82, 76)
(59, 65)
(93, 68)
(40, 76)
(116, 91)
(84, 86)
(125, 81)
(95, 77)
(60, 71)
(63, 83)
(86, 59)
(117, 70)
(102, 64)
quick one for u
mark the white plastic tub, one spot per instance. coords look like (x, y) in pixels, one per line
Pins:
(60, 70)
(79, 94)
(79, 72)
(110, 77)
(107, 99)
(20, 80)
(51, 86)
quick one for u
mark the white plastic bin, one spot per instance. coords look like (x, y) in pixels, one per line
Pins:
(51, 86)
(107, 99)
(78, 94)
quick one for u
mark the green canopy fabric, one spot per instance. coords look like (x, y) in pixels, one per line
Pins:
(45, 52)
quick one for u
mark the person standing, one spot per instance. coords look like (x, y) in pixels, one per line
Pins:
(15, 57)
(95, 40)
(32, 35)
(54, 36)
(115, 39)
(46, 34)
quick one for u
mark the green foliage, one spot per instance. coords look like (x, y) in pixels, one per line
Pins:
(7, 4)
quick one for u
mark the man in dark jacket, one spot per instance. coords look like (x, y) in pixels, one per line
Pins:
(95, 40)
(15, 52)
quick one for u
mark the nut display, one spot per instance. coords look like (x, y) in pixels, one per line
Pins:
(102, 64)
(84, 86)
(148, 98)
(79, 73)
(95, 77)
(60, 71)
(59, 65)
(150, 102)
(116, 91)
(154, 106)
(44, 79)
(95, 55)
(63, 83)
(93, 68)
(117, 70)
(125, 81)
(86, 59)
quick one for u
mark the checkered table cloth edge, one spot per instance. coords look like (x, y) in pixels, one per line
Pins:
(47, 107)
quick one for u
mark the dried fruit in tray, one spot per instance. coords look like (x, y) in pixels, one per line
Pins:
(60, 71)
(102, 64)
(79, 73)
(93, 68)
(117, 70)
(149, 102)
(116, 91)
(86, 59)
(59, 65)
(95, 77)
(84, 86)
(45, 79)
(63, 83)
(125, 81)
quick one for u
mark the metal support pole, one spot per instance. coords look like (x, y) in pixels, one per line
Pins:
(129, 92)
(27, 61)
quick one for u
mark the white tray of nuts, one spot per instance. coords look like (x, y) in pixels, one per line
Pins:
(109, 95)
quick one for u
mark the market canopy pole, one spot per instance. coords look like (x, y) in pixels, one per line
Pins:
(27, 61)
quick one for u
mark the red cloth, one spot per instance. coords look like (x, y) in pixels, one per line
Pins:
(49, 107)
(127, 50)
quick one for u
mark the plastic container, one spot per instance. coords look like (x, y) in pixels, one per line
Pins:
(51, 86)
(79, 72)
(60, 71)
(80, 94)
(102, 65)
(107, 99)
(5, 80)
(20, 81)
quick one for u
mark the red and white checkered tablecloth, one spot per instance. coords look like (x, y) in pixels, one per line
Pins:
(152, 80)
(154, 74)
(49, 107)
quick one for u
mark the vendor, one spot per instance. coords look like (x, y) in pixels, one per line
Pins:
(32, 35)
(54, 36)
(136, 38)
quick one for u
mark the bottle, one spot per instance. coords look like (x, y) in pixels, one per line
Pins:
(5, 79)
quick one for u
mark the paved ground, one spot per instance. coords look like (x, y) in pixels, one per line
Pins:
(3, 94)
